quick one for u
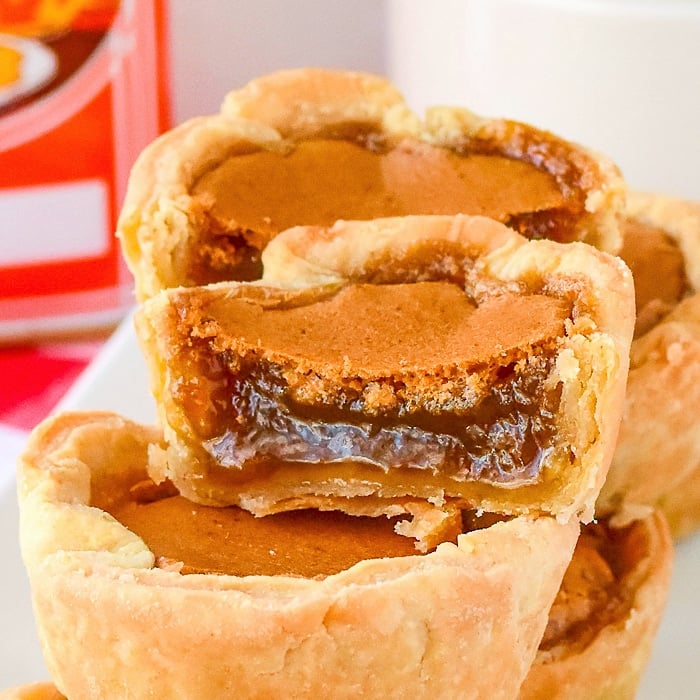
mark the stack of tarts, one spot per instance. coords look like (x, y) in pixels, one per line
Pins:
(386, 414)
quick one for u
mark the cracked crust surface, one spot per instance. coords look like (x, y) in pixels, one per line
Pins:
(113, 625)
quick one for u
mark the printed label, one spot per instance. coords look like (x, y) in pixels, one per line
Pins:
(81, 93)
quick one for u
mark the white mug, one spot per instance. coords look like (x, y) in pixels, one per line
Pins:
(619, 76)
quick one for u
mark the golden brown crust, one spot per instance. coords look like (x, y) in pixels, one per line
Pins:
(161, 222)
(32, 691)
(591, 362)
(298, 103)
(657, 460)
(112, 625)
(611, 664)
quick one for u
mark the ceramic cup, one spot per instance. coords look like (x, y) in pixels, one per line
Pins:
(620, 76)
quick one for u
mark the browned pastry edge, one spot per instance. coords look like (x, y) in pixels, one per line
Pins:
(43, 690)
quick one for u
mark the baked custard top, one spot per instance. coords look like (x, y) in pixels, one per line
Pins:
(378, 330)
(658, 268)
(320, 181)
(661, 245)
(306, 543)
(606, 579)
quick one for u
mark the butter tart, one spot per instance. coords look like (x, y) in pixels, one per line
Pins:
(119, 614)
(605, 617)
(440, 358)
(311, 146)
(657, 460)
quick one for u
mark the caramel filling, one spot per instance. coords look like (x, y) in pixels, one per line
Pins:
(658, 268)
(407, 375)
(251, 197)
(192, 538)
(596, 589)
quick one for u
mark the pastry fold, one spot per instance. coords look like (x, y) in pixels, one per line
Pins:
(656, 462)
(461, 621)
(311, 146)
(605, 617)
(519, 398)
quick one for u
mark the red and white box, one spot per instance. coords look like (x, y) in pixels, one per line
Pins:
(83, 89)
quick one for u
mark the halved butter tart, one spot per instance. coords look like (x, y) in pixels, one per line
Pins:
(657, 459)
(311, 146)
(127, 608)
(447, 359)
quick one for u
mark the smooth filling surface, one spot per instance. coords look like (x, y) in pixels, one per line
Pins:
(192, 538)
(593, 592)
(397, 376)
(251, 197)
(658, 269)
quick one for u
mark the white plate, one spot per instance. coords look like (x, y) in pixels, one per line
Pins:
(38, 65)
(117, 380)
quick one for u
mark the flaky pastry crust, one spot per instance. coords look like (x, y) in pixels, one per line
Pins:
(590, 366)
(657, 460)
(463, 621)
(610, 665)
(163, 226)
(32, 691)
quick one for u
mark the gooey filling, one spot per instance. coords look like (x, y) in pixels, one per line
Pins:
(396, 376)
(251, 197)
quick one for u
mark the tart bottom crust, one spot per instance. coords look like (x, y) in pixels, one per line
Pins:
(463, 621)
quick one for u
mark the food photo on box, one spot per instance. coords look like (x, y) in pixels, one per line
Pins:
(349, 350)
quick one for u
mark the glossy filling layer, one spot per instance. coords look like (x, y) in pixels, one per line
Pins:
(446, 387)
(505, 438)
(251, 197)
